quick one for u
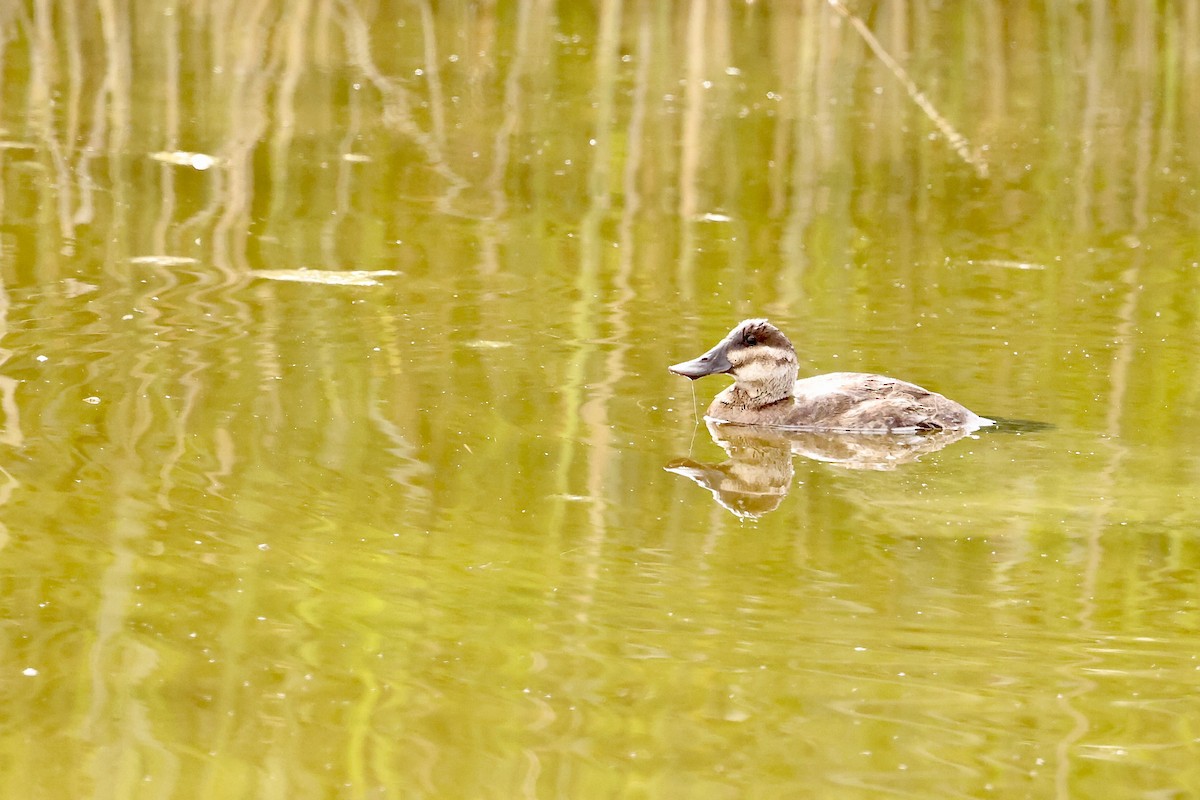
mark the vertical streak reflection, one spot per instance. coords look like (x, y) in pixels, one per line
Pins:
(691, 142)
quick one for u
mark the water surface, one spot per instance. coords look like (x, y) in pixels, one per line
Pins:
(335, 411)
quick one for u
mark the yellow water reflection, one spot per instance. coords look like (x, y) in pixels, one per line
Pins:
(757, 473)
(333, 347)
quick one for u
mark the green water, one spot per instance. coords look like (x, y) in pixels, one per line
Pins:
(418, 539)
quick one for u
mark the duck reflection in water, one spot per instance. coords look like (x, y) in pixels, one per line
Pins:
(758, 472)
(854, 419)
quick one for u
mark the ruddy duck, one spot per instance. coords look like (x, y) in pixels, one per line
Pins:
(763, 364)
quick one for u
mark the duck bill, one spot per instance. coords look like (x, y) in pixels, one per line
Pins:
(714, 362)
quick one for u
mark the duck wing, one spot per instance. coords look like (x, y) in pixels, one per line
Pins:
(858, 401)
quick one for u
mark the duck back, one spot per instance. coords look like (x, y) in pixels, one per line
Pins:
(855, 401)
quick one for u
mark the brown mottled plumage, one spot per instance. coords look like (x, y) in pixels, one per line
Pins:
(763, 364)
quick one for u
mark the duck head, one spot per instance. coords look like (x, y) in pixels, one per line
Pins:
(759, 357)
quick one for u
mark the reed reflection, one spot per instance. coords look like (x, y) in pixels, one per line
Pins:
(757, 475)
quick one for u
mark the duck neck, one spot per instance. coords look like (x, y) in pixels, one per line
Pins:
(765, 390)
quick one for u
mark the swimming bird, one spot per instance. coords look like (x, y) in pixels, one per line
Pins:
(765, 391)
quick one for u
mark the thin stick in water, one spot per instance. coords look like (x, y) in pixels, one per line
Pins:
(956, 139)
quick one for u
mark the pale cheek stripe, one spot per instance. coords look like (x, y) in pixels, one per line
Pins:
(763, 362)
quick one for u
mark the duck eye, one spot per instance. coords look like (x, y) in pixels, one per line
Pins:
(750, 340)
